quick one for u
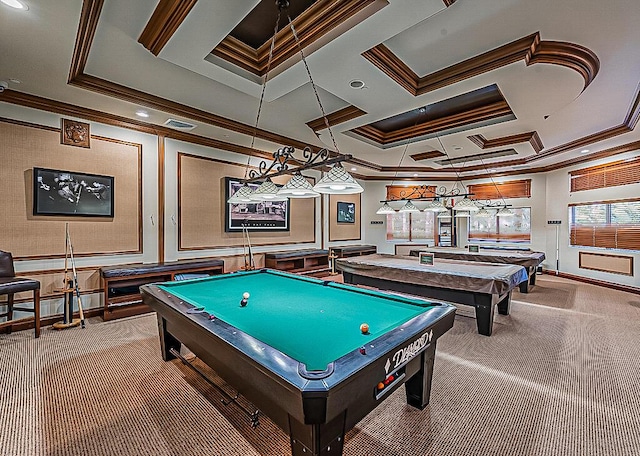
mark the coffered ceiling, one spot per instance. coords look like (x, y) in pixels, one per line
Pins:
(415, 89)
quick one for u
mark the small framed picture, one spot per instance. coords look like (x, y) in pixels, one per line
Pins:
(426, 258)
(74, 133)
(474, 248)
(346, 212)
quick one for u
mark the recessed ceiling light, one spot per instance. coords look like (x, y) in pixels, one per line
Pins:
(584, 151)
(354, 169)
(415, 175)
(142, 113)
(15, 81)
(17, 4)
(356, 84)
(457, 147)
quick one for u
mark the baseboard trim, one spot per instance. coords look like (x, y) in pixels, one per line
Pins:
(601, 283)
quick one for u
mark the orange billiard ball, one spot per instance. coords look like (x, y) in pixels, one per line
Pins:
(380, 386)
(364, 327)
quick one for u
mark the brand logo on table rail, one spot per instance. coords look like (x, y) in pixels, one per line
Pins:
(404, 355)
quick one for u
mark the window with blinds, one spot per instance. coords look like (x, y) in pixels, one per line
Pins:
(606, 224)
(610, 175)
(499, 190)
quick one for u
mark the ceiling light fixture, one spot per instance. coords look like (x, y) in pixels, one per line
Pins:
(17, 4)
(584, 151)
(336, 181)
(409, 207)
(356, 84)
(142, 113)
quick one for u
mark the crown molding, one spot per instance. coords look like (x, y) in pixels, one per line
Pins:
(531, 137)
(529, 48)
(318, 21)
(89, 17)
(165, 20)
(481, 114)
(335, 118)
(427, 155)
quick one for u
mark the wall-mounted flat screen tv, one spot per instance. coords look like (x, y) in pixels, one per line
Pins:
(71, 193)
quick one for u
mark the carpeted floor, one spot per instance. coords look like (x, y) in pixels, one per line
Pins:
(559, 376)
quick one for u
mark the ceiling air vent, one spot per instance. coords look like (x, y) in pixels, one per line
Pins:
(179, 125)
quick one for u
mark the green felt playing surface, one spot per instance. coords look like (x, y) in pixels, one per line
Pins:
(310, 322)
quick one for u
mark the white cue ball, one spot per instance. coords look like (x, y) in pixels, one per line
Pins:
(245, 295)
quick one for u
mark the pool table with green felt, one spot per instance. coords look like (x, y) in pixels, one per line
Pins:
(296, 349)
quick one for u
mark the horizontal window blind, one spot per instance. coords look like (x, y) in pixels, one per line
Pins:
(510, 189)
(606, 224)
(608, 175)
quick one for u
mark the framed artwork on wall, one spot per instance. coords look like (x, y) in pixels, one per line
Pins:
(70, 193)
(346, 212)
(258, 216)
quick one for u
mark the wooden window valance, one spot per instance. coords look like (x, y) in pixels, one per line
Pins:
(499, 190)
(607, 175)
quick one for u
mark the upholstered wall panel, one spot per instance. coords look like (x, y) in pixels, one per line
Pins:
(201, 190)
(615, 264)
(344, 231)
(27, 236)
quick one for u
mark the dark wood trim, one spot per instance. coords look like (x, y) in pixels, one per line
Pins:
(427, 155)
(600, 283)
(629, 147)
(319, 20)
(626, 257)
(165, 20)
(483, 113)
(45, 104)
(161, 197)
(387, 62)
(448, 3)
(531, 137)
(335, 118)
(530, 48)
(89, 17)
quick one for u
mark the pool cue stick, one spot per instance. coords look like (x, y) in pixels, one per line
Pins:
(68, 311)
(244, 248)
(75, 280)
(252, 264)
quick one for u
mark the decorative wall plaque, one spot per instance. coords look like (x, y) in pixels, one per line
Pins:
(74, 133)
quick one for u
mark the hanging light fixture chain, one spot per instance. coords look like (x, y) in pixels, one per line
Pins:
(264, 88)
(313, 85)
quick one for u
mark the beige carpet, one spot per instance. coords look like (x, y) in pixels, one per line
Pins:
(559, 376)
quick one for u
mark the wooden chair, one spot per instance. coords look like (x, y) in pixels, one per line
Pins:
(10, 284)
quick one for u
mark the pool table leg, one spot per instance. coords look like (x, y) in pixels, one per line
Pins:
(484, 318)
(325, 439)
(418, 387)
(167, 341)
